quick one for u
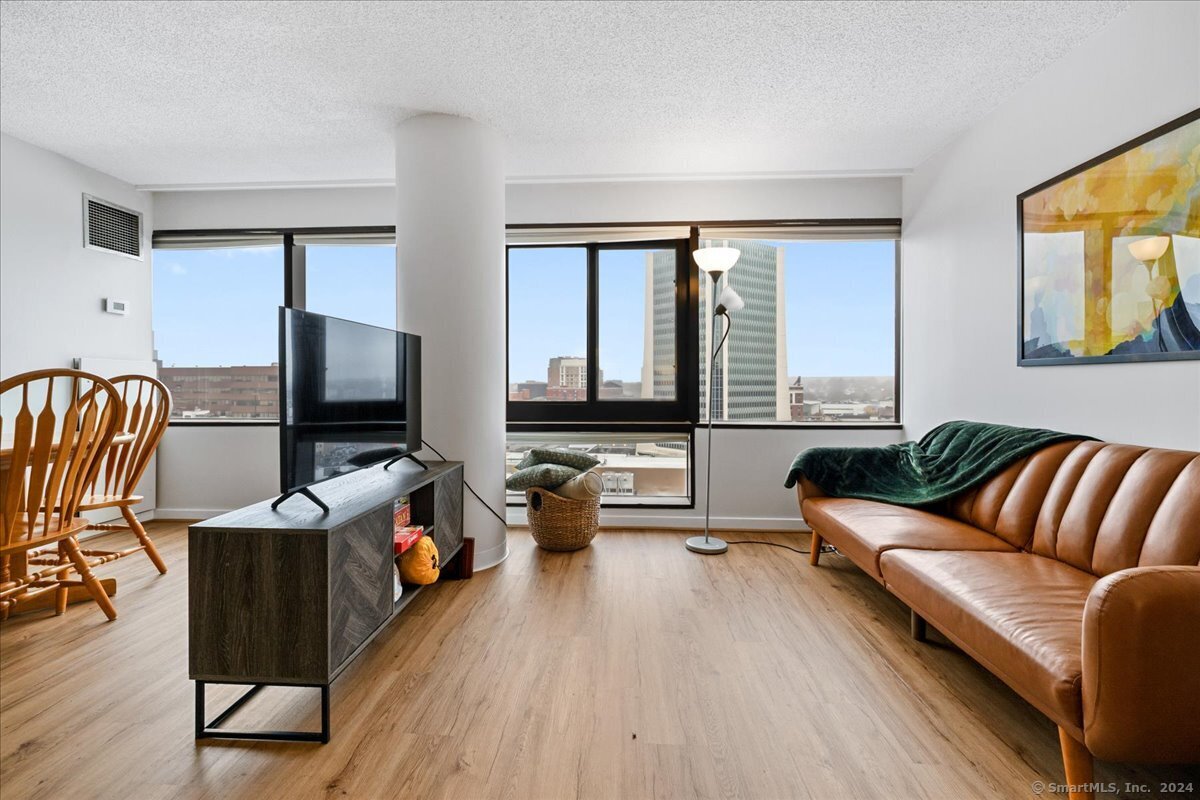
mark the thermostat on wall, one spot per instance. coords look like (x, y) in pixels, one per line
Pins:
(116, 306)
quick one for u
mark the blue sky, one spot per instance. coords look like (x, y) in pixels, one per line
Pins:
(218, 307)
(841, 307)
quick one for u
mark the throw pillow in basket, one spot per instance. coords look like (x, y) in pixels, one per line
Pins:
(555, 455)
(545, 476)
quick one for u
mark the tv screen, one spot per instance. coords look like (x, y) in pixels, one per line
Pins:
(350, 396)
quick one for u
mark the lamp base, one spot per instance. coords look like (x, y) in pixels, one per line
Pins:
(712, 547)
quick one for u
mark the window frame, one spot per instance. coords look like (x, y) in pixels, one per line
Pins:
(897, 423)
(294, 258)
(691, 352)
(593, 409)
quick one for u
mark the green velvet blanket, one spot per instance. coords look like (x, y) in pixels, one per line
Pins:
(951, 458)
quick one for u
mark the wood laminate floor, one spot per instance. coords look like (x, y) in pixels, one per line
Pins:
(631, 669)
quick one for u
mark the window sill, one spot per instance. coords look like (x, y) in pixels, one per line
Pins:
(809, 426)
(627, 502)
(223, 423)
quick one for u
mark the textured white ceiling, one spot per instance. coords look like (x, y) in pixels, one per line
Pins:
(199, 92)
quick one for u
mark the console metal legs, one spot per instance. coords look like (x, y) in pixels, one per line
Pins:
(213, 730)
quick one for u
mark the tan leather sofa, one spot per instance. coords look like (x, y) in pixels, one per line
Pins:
(1072, 576)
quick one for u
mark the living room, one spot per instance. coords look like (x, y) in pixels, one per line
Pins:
(600, 399)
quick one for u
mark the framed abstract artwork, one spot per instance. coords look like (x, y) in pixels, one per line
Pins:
(1110, 255)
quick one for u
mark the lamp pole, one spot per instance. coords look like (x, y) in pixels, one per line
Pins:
(716, 262)
(707, 543)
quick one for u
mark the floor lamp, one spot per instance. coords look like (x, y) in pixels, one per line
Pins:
(715, 261)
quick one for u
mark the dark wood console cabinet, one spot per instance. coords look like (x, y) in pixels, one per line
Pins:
(289, 597)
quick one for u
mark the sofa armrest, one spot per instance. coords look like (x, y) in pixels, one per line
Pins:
(1141, 666)
(807, 489)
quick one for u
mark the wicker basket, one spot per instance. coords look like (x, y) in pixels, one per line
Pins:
(558, 523)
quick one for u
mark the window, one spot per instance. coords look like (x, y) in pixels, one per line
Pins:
(816, 341)
(216, 308)
(216, 329)
(619, 321)
(591, 323)
(637, 469)
(547, 324)
(637, 323)
(599, 357)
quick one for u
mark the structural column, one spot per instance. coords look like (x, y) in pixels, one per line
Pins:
(451, 291)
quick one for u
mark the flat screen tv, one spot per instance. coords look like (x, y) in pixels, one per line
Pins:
(350, 397)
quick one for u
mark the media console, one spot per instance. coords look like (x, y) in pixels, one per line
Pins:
(290, 596)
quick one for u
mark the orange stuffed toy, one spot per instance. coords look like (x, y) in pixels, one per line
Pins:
(419, 563)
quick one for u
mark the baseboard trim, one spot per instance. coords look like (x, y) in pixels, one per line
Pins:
(492, 557)
(144, 516)
(665, 520)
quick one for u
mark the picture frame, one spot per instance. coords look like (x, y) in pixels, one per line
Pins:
(1084, 295)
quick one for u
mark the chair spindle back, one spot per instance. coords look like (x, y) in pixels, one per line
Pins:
(52, 452)
(145, 409)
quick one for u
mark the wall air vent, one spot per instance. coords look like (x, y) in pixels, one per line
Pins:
(111, 228)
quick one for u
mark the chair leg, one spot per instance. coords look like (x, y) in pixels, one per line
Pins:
(94, 587)
(61, 595)
(135, 525)
(61, 592)
(1077, 764)
(814, 549)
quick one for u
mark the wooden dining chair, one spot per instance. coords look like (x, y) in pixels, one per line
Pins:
(55, 427)
(145, 409)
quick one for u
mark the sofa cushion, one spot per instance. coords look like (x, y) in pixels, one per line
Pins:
(1116, 506)
(546, 476)
(1018, 614)
(863, 529)
(558, 455)
(1008, 504)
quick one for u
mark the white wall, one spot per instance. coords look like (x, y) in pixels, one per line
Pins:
(51, 287)
(959, 246)
(749, 465)
(203, 472)
(669, 201)
(625, 201)
(275, 208)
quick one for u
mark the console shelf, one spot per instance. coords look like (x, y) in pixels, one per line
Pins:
(289, 597)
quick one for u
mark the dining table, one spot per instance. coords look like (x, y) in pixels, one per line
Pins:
(18, 563)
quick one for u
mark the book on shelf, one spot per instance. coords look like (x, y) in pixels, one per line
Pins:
(407, 536)
(401, 513)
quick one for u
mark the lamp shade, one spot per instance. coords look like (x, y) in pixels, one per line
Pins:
(729, 301)
(1151, 248)
(716, 259)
